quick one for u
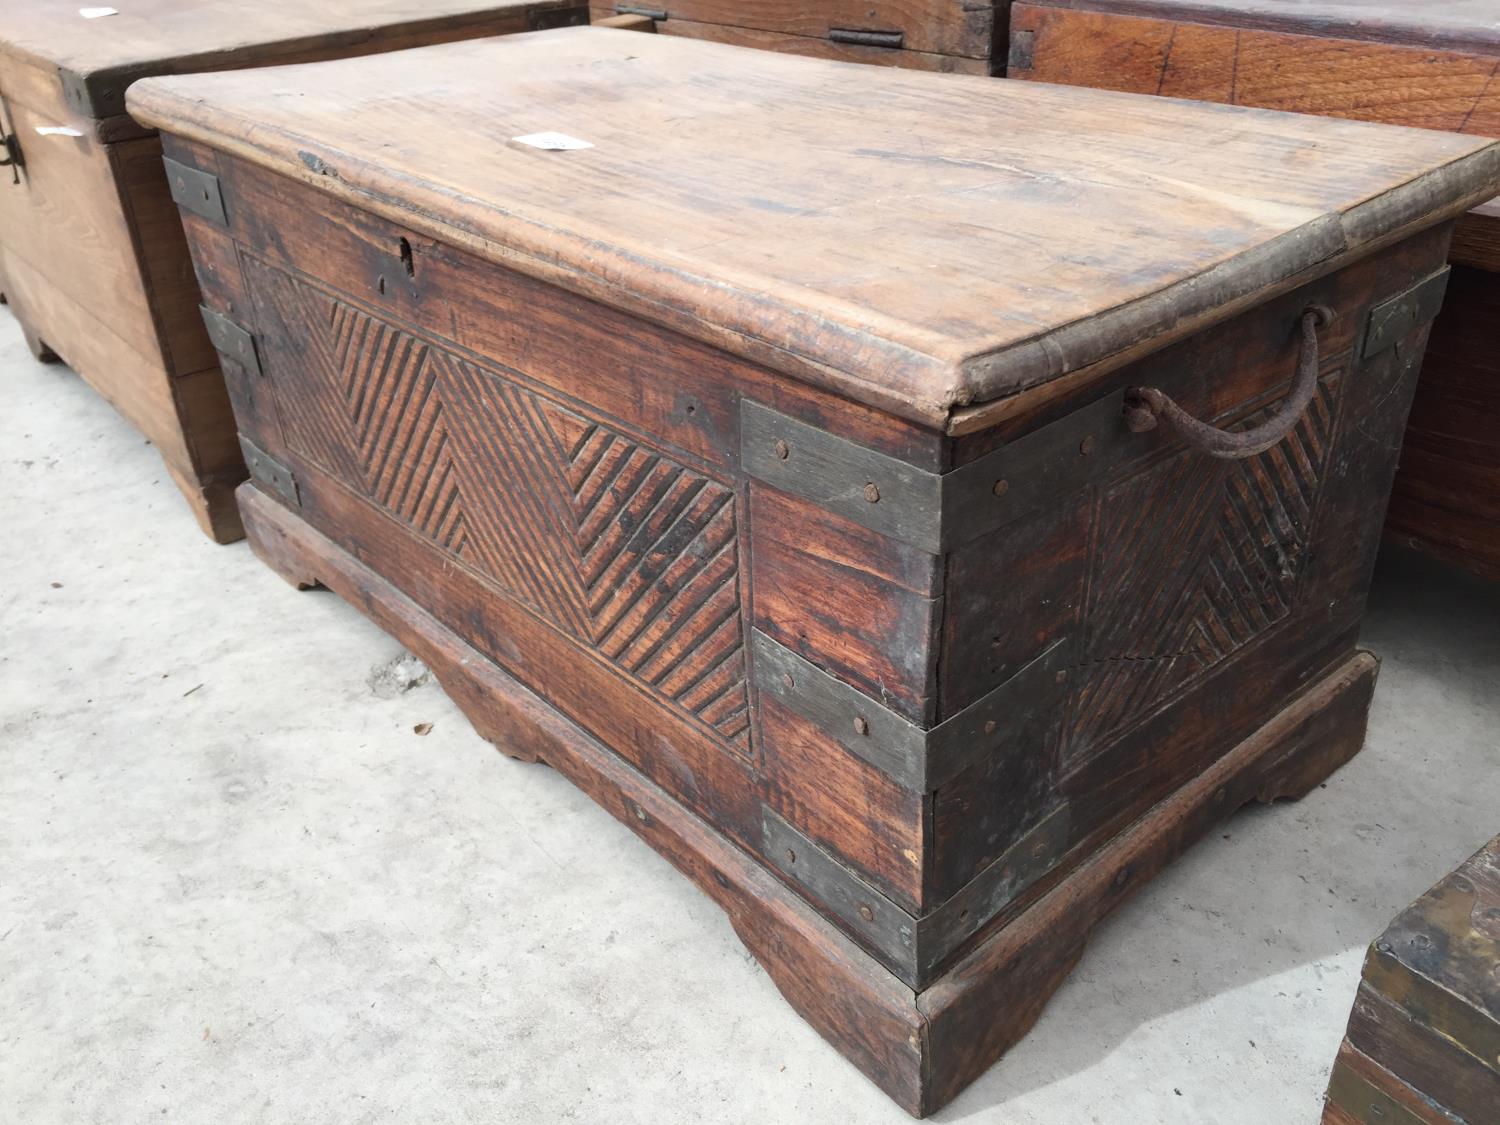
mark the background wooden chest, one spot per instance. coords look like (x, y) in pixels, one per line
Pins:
(1430, 65)
(1423, 1044)
(782, 468)
(92, 258)
(958, 36)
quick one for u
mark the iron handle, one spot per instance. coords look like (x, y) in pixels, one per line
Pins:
(1146, 406)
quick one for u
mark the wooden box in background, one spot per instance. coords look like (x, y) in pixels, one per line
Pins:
(797, 472)
(1423, 1045)
(1430, 64)
(92, 258)
(957, 36)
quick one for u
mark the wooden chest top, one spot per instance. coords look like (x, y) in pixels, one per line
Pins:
(101, 55)
(1469, 24)
(920, 243)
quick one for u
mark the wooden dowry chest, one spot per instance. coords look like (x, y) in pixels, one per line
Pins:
(796, 473)
(955, 36)
(92, 258)
(1430, 64)
(1423, 1045)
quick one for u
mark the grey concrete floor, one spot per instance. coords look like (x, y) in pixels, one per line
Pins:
(236, 886)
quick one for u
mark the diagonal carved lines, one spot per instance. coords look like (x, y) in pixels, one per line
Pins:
(1192, 560)
(518, 530)
(628, 551)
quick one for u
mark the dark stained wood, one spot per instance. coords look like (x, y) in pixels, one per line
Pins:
(91, 243)
(1447, 497)
(929, 701)
(1373, 61)
(810, 46)
(777, 268)
(921, 1048)
(1424, 1033)
(939, 35)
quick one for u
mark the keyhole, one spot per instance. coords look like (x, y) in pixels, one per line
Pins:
(411, 266)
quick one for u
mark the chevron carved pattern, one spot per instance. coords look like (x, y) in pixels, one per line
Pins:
(1214, 566)
(613, 542)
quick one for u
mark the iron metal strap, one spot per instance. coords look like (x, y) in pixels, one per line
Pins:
(1146, 406)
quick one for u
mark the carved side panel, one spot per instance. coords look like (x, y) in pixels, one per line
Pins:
(617, 544)
(1192, 559)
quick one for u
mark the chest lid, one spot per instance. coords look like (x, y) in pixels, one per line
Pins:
(1471, 25)
(918, 242)
(100, 49)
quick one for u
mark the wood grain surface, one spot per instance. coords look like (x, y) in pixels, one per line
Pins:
(172, 36)
(1465, 24)
(1326, 69)
(915, 242)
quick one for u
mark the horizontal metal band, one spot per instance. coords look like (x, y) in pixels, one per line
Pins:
(231, 340)
(1004, 720)
(1364, 1102)
(992, 890)
(270, 472)
(913, 948)
(196, 191)
(887, 929)
(937, 511)
(1391, 320)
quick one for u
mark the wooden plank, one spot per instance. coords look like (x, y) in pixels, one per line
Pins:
(822, 48)
(1319, 73)
(98, 58)
(1467, 25)
(914, 244)
(67, 222)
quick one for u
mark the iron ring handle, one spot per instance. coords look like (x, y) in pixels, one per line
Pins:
(1146, 406)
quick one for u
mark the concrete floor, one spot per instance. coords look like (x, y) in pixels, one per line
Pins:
(236, 886)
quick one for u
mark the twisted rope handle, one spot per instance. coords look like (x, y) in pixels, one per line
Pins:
(1146, 406)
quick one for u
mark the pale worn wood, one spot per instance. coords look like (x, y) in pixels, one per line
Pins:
(176, 36)
(830, 227)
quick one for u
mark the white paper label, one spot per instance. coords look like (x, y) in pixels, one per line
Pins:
(57, 131)
(553, 142)
(95, 13)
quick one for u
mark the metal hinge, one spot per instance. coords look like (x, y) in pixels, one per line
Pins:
(1022, 51)
(271, 473)
(195, 190)
(1391, 320)
(937, 511)
(231, 341)
(863, 38)
(1011, 718)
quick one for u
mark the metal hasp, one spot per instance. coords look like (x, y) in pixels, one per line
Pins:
(862, 38)
(268, 471)
(13, 158)
(230, 340)
(914, 948)
(1391, 320)
(195, 190)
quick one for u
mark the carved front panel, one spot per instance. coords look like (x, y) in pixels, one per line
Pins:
(1192, 560)
(629, 551)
